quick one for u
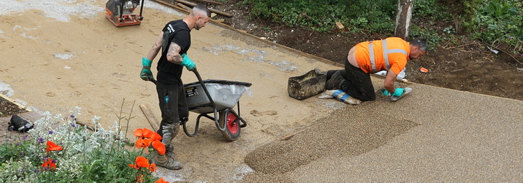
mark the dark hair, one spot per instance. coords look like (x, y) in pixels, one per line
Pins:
(203, 7)
(420, 43)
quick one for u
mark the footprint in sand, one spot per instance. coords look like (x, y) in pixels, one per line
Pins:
(50, 94)
(261, 113)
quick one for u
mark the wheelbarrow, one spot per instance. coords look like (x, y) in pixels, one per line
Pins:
(217, 97)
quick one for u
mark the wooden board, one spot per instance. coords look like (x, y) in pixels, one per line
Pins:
(210, 1)
(150, 117)
(210, 9)
(14, 102)
(184, 6)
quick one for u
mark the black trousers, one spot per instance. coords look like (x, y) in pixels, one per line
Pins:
(357, 83)
(174, 109)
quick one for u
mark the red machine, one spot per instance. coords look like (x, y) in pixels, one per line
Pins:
(121, 12)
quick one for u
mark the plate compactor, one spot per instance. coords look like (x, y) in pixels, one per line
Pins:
(121, 12)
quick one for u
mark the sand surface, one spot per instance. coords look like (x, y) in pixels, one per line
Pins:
(58, 54)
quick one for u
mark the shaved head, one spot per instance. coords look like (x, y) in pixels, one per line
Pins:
(199, 16)
(200, 10)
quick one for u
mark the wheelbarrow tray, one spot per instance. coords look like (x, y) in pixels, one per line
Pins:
(224, 94)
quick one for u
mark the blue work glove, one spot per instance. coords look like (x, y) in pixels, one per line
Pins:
(396, 93)
(146, 69)
(187, 62)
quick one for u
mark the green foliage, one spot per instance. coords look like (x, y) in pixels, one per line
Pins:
(322, 15)
(86, 156)
(430, 10)
(493, 21)
(13, 149)
(500, 21)
(431, 35)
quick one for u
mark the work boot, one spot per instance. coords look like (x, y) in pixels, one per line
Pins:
(168, 132)
(166, 161)
(342, 96)
(334, 81)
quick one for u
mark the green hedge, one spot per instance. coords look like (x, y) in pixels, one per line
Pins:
(491, 21)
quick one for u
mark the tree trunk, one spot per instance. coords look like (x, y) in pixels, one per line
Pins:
(403, 18)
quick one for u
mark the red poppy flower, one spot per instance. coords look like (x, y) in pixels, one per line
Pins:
(143, 132)
(142, 162)
(159, 146)
(152, 167)
(134, 166)
(155, 136)
(138, 132)
(141, 142)
(49, 164)
(52, 146)
(161, 180)
(147, 133)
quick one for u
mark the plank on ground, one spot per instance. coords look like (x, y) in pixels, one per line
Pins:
(210, 9)
(150, 117)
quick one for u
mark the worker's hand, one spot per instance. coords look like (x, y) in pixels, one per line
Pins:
(146, 73)
(385, 92)
(187, 62)
(397, 93)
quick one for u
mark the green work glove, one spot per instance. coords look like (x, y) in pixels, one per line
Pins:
(146, 69)
(187, 62)
(396, 93)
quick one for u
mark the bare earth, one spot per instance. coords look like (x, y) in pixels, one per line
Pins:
(54, 62)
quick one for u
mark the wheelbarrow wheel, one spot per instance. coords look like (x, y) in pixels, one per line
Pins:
(231, 122)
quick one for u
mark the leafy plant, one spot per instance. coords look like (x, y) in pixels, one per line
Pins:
(322, 15)
(493, 21)
(500, 22)
(58, 149)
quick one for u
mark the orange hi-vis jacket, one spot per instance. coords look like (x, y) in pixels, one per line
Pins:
(388, 54)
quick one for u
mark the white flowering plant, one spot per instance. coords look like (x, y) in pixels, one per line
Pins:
(59, 149)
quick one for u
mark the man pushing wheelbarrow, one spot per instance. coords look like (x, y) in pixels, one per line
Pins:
(174, 41)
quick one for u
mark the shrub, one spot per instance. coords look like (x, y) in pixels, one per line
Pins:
(322, 15)
(58, 149)
(492, 21)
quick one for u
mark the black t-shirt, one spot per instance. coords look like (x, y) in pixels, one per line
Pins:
(176, 32)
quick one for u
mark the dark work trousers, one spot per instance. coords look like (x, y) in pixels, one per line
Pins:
(173, 110)
(357, 83)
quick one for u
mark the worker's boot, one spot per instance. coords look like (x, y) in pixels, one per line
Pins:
(334, 81)
(168, 160)
(342, 96)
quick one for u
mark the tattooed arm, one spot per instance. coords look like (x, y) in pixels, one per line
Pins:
(173, 54)
(156, 47)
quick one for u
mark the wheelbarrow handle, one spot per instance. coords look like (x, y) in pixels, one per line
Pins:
(203, 86)
(151, 78)
(209, 97)
(198, 75)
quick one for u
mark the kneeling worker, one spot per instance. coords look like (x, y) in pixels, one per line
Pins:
(390, 54)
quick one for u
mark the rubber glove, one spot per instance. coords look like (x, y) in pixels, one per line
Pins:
(146, 69)
(187, 62)
(396, 93)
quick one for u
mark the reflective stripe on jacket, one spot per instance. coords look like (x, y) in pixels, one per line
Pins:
(388, 54)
